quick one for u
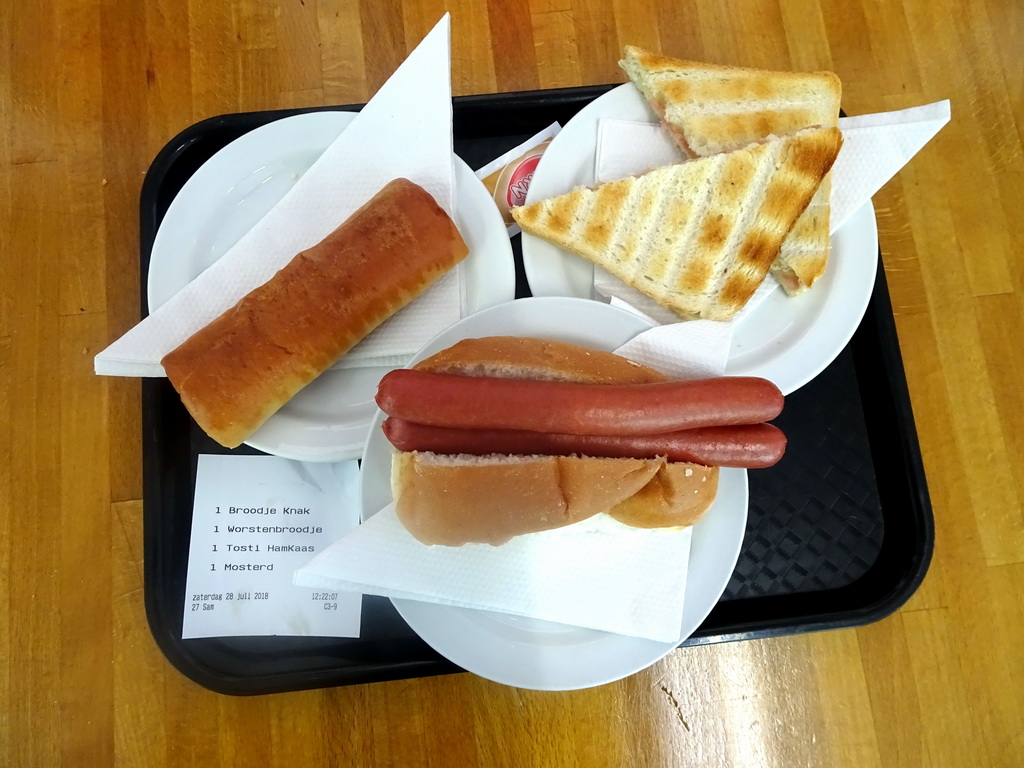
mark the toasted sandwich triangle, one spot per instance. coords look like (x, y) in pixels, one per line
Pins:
(697, 237)
(710, 108)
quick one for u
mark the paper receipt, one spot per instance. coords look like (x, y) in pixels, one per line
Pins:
(255, 520)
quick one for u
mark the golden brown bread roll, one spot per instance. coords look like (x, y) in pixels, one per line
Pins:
(237, 371)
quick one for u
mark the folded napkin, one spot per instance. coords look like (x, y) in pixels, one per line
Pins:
(405, 130)
(597, 573)
(874, 148)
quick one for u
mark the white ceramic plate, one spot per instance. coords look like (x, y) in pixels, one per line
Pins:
(232, 191)
(786, 340)
(528, 653)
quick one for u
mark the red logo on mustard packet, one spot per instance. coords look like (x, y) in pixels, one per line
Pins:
(519, 183)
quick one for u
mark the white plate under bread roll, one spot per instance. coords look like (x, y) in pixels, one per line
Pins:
(457, 492)
(237, 371)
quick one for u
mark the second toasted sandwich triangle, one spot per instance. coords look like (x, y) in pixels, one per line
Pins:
(697, 237)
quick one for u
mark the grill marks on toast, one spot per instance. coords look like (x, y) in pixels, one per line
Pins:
(668, 230)
(754, 237)
(698, 237)
(712, 108)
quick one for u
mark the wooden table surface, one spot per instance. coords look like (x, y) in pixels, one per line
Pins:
(90, 90)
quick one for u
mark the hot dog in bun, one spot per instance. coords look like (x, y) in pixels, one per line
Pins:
(502, 436)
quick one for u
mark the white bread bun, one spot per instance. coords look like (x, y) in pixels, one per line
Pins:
(452, 500)
(677, 496)
(456, 499)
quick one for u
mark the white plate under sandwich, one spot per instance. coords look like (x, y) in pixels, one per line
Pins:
(788, 340)
(232, 191)
(529, 653)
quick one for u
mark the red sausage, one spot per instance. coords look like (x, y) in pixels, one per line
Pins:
(477, 402)
(752, 446)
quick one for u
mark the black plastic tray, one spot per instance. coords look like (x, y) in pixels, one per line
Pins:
(839, 533)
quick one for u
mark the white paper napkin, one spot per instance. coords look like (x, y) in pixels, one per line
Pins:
(597, 573)
(405, 130)
(874, 148)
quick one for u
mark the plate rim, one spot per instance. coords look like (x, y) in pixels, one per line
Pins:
(409, 609)
(861, 224)
(290, 128)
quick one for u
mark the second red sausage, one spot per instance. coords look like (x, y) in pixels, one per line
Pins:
(477, 402)
(751, 446)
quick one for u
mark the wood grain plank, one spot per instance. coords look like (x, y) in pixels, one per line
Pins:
(960, 545)
(79, 204)
(356, 739)
(314, 97)
(761, 37)
(6, 161)
(299, 58)
(997, 709)
(806, 39)
(894, 704)
(384, 44)
(1007, 600)
(259, 87)
(472, 54)
(194, 735)
(554, 41)
(1010, 184)
(636, 23)
(454, 739)
(143, 679)
(34, 495)
(420, 17)
(755, 38)
(341, 52)
(900, 256)
(772, 709)
(680, 36)
(978, 426)
(166, 62)
(32, 74)
(533, 712)
(256, 24)
(6, 243)
(8, 664)
(126, 156)
(852, 58)
(1000, 326)
(1006, 24)
(890, 36)
(950, 731)
(980, 153)
(213, 58)
(842, 686)
(992, 101)
(597, 43)
(515, 66)
(86, 625)
(80, 110)
(683, 697)
(237, 744)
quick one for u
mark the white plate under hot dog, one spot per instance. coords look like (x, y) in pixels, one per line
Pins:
(541, 655)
